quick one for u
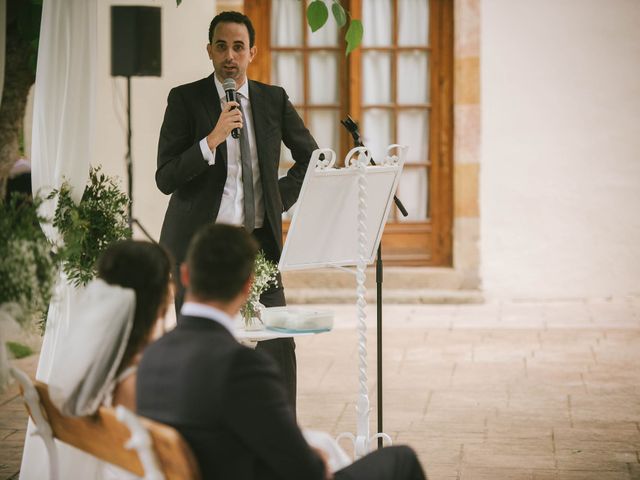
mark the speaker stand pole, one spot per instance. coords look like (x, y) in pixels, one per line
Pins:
(128, 160)
(129, 164)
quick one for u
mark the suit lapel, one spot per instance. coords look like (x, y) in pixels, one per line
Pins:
(212, 107)
(259, 113)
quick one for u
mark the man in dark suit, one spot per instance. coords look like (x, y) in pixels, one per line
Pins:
(213, 177)
(228, 400)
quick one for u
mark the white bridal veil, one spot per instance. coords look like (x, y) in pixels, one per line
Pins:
(87, 358)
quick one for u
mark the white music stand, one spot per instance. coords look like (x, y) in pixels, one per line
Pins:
(338, 223)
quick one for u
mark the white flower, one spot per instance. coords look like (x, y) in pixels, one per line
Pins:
(265, 274)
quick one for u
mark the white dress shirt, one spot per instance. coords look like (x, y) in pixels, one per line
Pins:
(231, 205)
(193, 309)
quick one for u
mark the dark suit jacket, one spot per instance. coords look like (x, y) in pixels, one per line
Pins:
(227, 401)
(195, 187)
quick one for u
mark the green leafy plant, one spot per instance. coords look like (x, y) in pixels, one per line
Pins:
(265, 275)
(318, 14)
(90, 226)
(27, 268)
(339, 14)
(18, 350)
(354, 35)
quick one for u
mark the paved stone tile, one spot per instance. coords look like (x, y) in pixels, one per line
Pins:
(533, 420)
(470, 401)
(9, 450)
(543, 474)
(609, 380)
(634, 470)
(445, 451)
(589, 457)
(505, 429)
(6, 433)
(479, 472)
(440, 471)
(13, 423)
(626, 433)
(589, 475)
(508, 409)
(13, 415)
(460, 433)
(499, 456)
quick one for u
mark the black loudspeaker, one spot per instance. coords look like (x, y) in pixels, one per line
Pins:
(135, 42)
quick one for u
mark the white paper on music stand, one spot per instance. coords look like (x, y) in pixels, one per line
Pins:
(324, 228)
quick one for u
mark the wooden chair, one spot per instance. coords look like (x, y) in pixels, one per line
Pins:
(141, 446)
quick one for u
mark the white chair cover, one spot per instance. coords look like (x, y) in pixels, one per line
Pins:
(338, 458)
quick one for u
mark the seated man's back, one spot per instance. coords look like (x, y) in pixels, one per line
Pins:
(228, 402)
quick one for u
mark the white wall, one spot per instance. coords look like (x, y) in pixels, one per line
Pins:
(560, 171)
(184, 59)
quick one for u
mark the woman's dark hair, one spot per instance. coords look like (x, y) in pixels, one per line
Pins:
(233, 17)
(145, 268)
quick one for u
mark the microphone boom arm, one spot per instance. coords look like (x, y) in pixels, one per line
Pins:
(352, 127)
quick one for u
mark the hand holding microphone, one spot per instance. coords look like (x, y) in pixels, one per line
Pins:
(229, 86)
(230, 120)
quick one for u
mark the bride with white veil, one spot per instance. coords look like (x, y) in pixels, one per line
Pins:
(95, 363)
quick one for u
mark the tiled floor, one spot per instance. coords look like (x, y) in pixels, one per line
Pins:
(13, 424)
(503, 390)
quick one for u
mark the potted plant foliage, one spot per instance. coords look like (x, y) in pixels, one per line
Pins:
(29, 263)
(265, 275)
(27, 270)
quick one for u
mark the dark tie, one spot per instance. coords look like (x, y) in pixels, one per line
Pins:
(247, 176)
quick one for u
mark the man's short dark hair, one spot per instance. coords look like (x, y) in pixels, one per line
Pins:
(233, 17)
(220, 259)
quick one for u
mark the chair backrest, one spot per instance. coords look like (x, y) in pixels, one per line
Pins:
(105, 437)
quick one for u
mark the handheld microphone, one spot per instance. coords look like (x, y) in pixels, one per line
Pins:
(229, 86)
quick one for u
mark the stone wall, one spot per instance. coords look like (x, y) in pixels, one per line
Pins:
(466, 151)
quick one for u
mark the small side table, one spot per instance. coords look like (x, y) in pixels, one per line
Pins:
(286, 316)
(251, 337)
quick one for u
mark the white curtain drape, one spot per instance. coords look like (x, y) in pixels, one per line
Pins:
(376, 18)
(286, 27)
(413, 29)
(376, 77)
(286, 31)
(63, 132)
(64, 97)
(412, 88)
(324, 82)
(287, 20)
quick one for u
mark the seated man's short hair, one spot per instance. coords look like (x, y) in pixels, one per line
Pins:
(220, 259)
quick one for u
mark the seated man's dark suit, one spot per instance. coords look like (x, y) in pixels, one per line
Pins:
(196, 187)
(229, 403)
